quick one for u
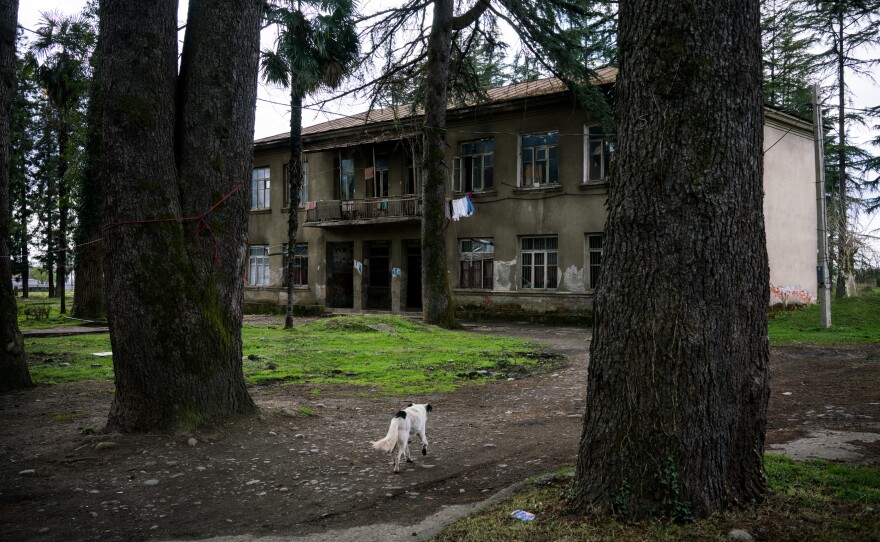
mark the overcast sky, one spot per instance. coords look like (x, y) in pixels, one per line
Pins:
(273, 119)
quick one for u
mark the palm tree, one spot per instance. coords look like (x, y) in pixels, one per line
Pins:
(310, 53)
(63, 44)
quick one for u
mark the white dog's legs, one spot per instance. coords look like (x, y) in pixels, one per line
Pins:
(424, 441)
(401, 452)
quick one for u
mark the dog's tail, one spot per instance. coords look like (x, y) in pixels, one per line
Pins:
(388, 443)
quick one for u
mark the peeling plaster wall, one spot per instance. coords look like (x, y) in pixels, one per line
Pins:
(502, 274)
(574, 279)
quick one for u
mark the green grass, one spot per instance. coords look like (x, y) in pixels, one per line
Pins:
(812, 501)
(854, 320)
(42, 299)
(53, 360)
(394, 356)
(401, 356)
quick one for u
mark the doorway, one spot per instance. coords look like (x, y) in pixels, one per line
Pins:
(340, 275)
(413, 274)
(377, 255)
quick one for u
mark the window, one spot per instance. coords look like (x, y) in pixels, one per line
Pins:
(300, 264)
(538, 256)
(304, 189)
(594, 259)
(540, 160)
(477, 263)
(346, 179)
(414, 173)
(258, 266)
(260, 188)
(597, 154)
(379, 186)
(474, 170)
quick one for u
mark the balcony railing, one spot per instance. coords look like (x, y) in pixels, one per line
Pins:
(393, 208)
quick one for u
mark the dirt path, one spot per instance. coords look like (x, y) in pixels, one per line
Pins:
(287, 474)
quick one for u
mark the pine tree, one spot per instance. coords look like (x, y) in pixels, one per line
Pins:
(14, 372)
(847, 29)
(786, 58)
(555, 32)
(23, 139)
(63, 45)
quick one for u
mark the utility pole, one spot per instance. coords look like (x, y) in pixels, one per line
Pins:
(822, 275)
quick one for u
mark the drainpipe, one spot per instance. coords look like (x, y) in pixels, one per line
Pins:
(822, 275)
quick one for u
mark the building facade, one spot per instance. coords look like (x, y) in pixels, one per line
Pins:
(528, 182)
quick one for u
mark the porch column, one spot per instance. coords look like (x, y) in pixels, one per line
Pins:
(358, 280)
(396, 282)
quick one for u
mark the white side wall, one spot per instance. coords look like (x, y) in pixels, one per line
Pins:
(790, 213)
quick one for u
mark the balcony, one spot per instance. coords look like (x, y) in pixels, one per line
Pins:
(329, 213)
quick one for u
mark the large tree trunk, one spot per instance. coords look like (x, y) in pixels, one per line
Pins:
(678, 376)
(177, 147)
(13, 361)
(436, 295)
(88, 292)
(294, 182)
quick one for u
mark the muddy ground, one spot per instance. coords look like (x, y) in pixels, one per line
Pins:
(284, 473)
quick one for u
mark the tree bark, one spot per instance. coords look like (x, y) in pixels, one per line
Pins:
(294, 184)
(177, 149)
(436, 294)
(14, 372)
(88, 292)
(678, 376)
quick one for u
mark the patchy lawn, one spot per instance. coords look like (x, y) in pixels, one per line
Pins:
(384, 354)
(854, 320)
(41, 300)
(809, 501)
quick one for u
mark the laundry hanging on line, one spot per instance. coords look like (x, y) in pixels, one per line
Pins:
(460, 208)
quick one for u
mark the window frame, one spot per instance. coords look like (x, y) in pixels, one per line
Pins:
(346, 177)
(594, 269)
(258, 265)
(304, 189)
(550, 280)
(380, 186)
(549, 170)
(486, 266)
(606, 148)
(261, 187)
(465, 165)
(300, 261)
(413, 183)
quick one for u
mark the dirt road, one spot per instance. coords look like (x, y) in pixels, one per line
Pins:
(286, 474)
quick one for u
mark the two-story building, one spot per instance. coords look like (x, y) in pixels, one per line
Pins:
(534, 166)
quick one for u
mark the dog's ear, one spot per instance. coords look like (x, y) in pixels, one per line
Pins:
(409, 405)
(428, 407)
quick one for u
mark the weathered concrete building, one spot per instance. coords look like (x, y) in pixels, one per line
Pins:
(534, 165)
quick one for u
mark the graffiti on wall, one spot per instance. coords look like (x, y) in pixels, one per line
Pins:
(790, 295)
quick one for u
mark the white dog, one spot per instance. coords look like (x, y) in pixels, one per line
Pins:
(412, 419)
